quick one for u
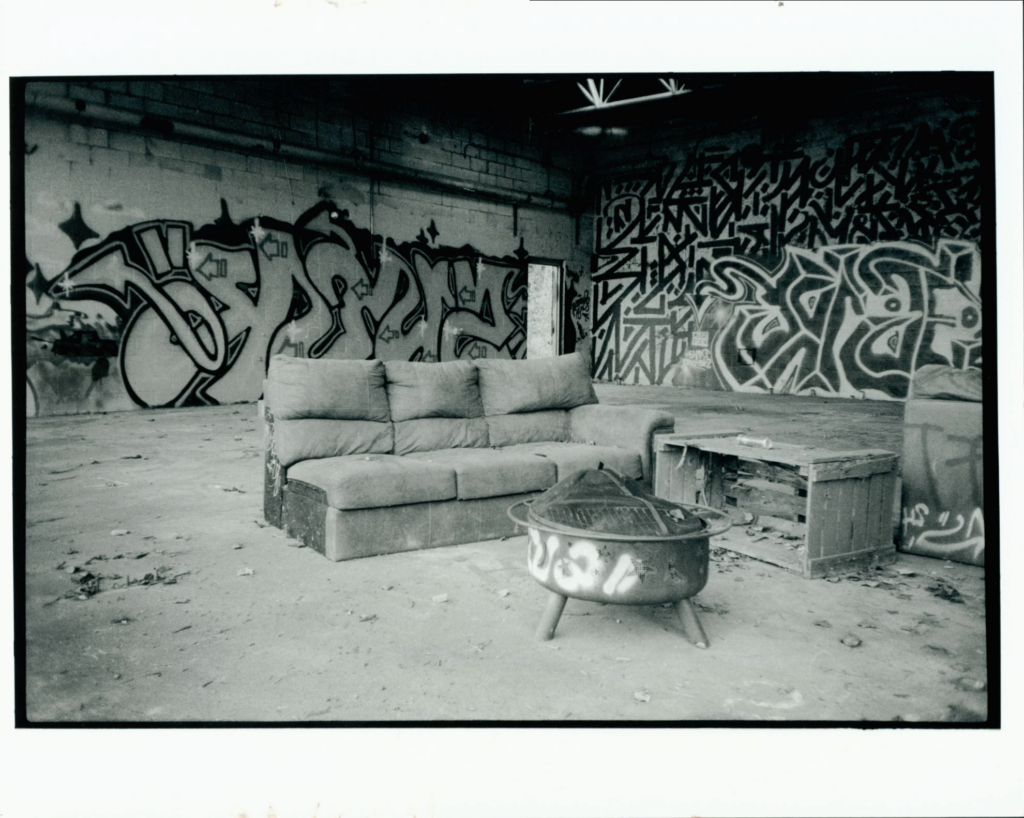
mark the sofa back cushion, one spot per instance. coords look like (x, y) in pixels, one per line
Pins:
(421, 390)
(528, 427)
(430, 434)
(311, 438)
(510, 387)
(322, 388)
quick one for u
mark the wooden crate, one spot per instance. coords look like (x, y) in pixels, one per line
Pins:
(812, 511)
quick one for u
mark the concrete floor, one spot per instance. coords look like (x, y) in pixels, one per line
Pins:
(205, 614)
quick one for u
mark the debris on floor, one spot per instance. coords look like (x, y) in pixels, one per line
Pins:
(161, 576)
(642, 696)
(245, 572)
(851, 641)
(944, 589)
(119, 532)
(440, 598)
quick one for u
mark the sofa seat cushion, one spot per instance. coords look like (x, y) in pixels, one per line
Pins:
(493, 472)
(325, 388)
(562, 382)
(528, 427)
(440, 390)
(572, 457)
(375, 481)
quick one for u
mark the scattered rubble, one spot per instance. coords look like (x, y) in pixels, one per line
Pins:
(851, 641)
(246, 572)
(119, 532)
(642, 696)
(440, 598)
(944, 589)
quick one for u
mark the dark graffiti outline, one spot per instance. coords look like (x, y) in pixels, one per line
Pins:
(155, 268)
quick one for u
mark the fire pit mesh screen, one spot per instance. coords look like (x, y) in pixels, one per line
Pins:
(603, 501)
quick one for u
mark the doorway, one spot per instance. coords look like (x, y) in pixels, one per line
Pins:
(544, 309)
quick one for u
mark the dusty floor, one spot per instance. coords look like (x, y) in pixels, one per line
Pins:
(203, 613)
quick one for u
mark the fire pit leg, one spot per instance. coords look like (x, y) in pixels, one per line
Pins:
(552, 613)
(691, 623)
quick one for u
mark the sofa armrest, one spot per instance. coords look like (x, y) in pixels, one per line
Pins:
(628, 427)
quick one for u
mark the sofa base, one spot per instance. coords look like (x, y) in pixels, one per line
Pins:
(354, 533)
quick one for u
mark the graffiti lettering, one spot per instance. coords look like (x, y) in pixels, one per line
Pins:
(732, 249)
(193, 314)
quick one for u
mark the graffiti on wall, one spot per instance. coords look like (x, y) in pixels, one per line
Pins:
(179, 315)
(702, 265)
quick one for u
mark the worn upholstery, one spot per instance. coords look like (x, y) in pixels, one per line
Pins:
(572, 457)
(307, 438)
(508, 387)
(375, 481)
(367, 532)
(628, 427)
(528, 427)
(318, 388)
(439, 390)
(493, 472)
(428, 434)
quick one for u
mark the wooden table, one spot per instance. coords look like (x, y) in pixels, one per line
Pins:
(807, 509)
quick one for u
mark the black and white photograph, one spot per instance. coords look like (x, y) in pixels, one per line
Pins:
(616, 404)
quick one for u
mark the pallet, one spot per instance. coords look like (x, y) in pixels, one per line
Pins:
(812, 511)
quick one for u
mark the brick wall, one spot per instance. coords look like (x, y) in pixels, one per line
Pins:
(830, 255)
(168, 258)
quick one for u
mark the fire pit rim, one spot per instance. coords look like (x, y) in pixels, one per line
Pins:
(700, 511)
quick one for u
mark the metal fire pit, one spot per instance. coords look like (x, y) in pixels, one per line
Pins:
(599, 536)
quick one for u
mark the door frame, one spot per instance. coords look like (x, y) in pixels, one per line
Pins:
(559, 294)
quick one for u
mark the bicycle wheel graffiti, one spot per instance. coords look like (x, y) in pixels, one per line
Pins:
(197, 312)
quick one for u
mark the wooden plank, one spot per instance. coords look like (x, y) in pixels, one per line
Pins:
(759, 501)
(780, 475)
(742, 478)
(859, 536)
(786, 453)
(714, 483)
(665, 462)
(844, 563)
(817, 516)
(771, 549)
(874, 513)
(821, 472)
(685, 481)
(678, 438)
(842, 519)
(785, 526)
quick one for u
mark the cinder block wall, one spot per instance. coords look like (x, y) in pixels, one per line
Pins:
(179, 233)
(830, 255)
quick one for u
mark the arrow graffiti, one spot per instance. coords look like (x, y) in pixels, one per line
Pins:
(277, 249)
(362, 289)
(467, 296)
(387, 334)
(218, 267)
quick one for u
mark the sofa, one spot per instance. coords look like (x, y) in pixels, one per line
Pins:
(943, 466)
(375, 457)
